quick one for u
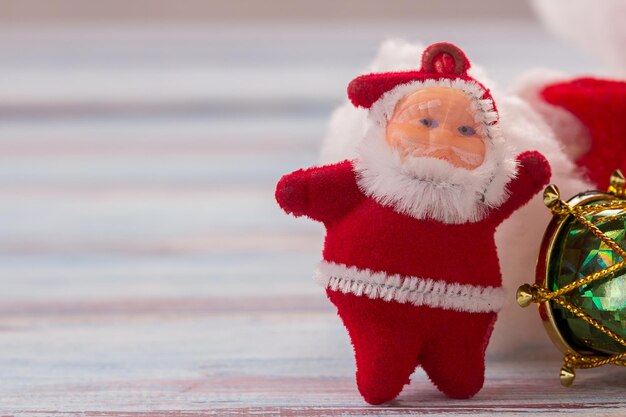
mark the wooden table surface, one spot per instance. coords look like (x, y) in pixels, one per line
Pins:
(145, 268)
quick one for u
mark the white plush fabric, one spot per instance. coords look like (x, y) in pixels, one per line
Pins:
(407, 289)
(519, 237)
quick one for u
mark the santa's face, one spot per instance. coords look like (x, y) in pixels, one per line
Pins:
(437, 122)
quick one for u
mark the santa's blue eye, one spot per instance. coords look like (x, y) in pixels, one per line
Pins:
(467, 130)
(427, 122)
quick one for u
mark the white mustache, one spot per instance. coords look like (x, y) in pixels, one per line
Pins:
(419, 150)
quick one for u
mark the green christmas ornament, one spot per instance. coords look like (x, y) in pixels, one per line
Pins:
(581, 277)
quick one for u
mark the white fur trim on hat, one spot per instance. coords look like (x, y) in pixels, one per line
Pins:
(407, 289)
(441, 191)
(382, 110)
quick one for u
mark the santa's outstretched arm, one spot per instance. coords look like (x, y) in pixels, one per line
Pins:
(323, 193)
(533, 173)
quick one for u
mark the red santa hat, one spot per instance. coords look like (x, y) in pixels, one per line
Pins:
(440, 61)
(443, 65)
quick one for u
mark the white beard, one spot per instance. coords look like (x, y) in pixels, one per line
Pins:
(430, 188)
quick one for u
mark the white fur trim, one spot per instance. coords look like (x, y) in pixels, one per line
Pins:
(383, 108)
(436, 189)
(408, 289)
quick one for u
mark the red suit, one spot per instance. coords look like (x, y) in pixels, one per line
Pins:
(391, 338)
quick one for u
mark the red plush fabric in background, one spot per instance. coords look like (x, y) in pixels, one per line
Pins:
(390, 339)
(601, 106)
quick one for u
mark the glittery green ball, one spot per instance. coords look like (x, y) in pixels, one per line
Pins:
(579, 253)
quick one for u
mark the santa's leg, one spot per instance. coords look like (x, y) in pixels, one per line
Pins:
(386, 343)
(454, 356)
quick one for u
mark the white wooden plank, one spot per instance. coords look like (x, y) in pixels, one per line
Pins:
(298, 361)
(239, 63)
(179, 129)
(139, 215)
(150, 170)
(97, 275)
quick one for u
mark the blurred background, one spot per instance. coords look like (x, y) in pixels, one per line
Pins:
(143, 260)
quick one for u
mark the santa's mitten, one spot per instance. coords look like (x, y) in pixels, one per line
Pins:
(322, 193)
(600, 105)
(292, 193)
(535, 167)
(409, 257)
(533, 174)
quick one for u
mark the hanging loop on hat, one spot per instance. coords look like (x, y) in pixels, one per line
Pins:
(445, 58)
(440, 61)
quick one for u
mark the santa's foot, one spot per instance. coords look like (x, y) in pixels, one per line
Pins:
(386, 343)
(454, 358)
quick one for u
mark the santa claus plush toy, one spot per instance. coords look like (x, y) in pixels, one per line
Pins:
(409, 258)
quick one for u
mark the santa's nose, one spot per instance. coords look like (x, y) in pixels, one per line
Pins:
(439, 137)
